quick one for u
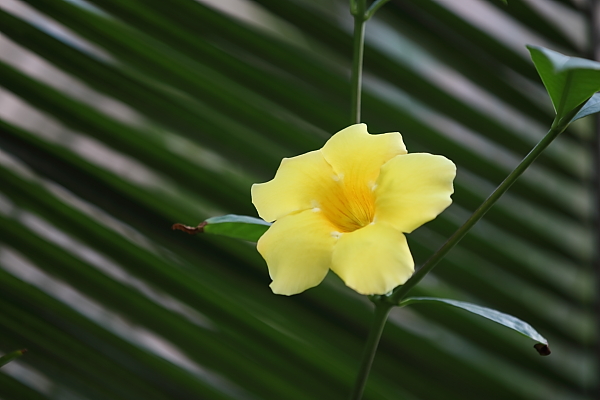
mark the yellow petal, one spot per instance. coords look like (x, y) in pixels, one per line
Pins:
(356, 156)
(413, 189)
(297, 184)
(373, 260)
(297, 249)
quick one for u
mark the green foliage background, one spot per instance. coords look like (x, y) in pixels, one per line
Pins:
(120, 117)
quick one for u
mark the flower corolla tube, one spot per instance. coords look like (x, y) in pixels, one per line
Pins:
(346, 208)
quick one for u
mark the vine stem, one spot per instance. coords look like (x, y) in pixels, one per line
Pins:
(557, 127)
(382, 310)
(358, 10)
(384, 304)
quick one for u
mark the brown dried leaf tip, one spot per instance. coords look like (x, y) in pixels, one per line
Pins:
(542, 349)
(189, 229)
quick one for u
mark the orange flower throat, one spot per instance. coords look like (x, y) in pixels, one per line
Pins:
(348, 206)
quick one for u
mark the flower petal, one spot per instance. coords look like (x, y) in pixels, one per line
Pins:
(297, 249)
(297, 183)
(373, 260)
(413, 189)
(357, 156)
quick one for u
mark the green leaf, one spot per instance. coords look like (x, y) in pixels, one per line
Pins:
(591, 107)
(503, 319)
(5, 359)
(570, 81)
(237, 226)
(233, 226)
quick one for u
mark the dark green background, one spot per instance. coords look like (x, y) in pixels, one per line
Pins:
(121, 117)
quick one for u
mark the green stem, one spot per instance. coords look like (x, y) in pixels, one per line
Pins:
(358, 9)
(382, 310)
(557, 127)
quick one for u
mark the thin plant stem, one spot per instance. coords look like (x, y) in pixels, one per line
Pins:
(358, 10)
(377, 4)
(11, 356)
(383, 304)
(557, 127)
(382, 310)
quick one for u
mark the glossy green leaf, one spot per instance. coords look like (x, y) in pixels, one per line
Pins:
(592, 106)
(5, 359)
(570, 81)
(493, 315)
(237, 226)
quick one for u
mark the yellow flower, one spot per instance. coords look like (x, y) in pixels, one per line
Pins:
(345, 208)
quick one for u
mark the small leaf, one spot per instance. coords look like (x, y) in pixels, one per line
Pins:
(11, 356)
(237, 226)
(233, 226)
(591, 107)
(570, 81)
(504, 319)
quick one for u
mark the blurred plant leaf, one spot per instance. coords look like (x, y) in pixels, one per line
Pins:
(120, 117)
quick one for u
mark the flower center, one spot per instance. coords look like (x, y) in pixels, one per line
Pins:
(348, 206)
